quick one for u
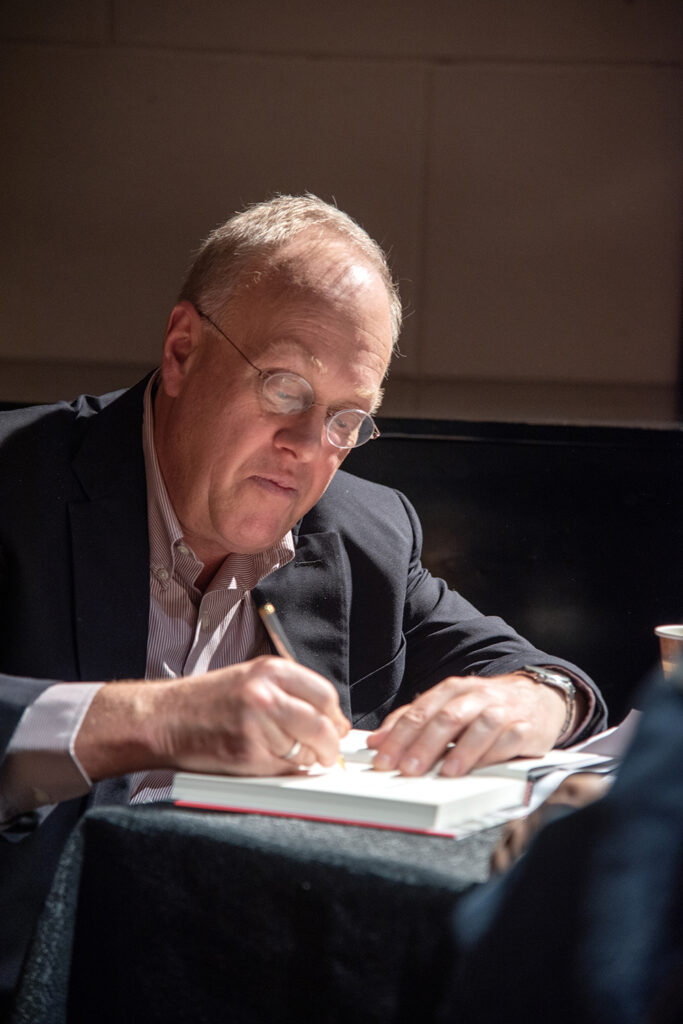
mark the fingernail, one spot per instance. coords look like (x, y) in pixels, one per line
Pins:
(381, 761)
(451, 767)
(411, 766)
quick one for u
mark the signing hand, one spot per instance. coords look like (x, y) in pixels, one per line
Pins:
(486, 720)
(241, 720)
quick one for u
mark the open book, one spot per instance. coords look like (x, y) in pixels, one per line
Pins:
(359, 795)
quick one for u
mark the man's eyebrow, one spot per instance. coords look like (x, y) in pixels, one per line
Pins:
(377, 400)
(272, 350)
(375, 396)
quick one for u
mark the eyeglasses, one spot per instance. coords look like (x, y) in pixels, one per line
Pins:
(286, 393)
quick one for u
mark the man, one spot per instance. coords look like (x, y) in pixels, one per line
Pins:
(139, 531)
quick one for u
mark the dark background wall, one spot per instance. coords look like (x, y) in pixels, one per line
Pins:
(573, 534)
(520, 159)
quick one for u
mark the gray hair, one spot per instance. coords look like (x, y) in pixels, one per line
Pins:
(256, 234)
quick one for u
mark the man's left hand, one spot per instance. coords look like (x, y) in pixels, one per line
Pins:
(486, 720)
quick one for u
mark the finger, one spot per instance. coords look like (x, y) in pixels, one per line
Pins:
(306, 685)
(408, 725)
(377, 737)
(501, 858)
(580, 789)
(515, 839)
(270, 720)
(301, 722)
(489, 739)
(298, 756)
(306, 757)
(265, 743)
(421, 736)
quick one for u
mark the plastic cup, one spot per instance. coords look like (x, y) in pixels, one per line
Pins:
(670, 648)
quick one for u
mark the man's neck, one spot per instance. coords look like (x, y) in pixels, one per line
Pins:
(207, 574)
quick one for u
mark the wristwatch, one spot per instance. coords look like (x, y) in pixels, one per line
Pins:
(559, 681)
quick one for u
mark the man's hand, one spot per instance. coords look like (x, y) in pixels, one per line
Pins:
(486, 720)
(241, 720)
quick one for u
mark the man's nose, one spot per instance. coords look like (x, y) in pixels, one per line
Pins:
(302, 432)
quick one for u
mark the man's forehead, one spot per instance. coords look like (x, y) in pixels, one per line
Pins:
(283, 345)
(282, 309)
(311, 265)
(311, 304)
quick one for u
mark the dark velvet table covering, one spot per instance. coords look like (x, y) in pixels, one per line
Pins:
(162, 914)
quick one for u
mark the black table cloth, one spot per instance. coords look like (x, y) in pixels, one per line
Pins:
(164, 914)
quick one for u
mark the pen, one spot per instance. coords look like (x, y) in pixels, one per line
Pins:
(280, 641)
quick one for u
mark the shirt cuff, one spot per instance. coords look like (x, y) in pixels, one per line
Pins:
(40, 767)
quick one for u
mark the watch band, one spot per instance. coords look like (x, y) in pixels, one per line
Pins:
(559, 681)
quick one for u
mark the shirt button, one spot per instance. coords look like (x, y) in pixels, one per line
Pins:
(162, 574)
(183, 549)
(206, 623)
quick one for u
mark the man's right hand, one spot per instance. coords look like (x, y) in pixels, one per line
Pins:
(241, 720)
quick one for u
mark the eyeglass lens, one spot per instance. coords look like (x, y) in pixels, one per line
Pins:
(287, 393)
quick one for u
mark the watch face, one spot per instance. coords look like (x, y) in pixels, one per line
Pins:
(555, 677)
(550, 678)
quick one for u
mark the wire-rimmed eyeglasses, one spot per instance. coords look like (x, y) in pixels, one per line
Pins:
(285, 393)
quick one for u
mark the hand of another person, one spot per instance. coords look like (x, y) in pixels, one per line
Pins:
(576, 791)
(486, 719)
(241, 720)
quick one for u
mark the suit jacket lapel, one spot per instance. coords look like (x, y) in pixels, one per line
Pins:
(110, 544)
(312, 597)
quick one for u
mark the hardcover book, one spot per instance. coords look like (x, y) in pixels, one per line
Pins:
(357, 794)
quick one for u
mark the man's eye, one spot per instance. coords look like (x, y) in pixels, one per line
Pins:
(282, 395)
(347, 420)
(285, 393)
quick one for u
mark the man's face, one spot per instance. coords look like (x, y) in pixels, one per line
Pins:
(239, 477)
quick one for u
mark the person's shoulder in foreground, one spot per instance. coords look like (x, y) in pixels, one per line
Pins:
(588, 925)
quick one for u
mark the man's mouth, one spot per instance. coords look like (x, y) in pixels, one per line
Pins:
(276, 485)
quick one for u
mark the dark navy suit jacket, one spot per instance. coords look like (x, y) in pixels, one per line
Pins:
(74, 582)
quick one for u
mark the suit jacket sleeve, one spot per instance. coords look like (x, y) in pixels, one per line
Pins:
(16, 692)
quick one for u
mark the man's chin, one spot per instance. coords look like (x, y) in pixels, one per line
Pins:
(254, 541)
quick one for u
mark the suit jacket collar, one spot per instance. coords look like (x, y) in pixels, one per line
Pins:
(110, 542)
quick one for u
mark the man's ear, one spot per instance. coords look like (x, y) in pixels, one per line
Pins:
(183, 334)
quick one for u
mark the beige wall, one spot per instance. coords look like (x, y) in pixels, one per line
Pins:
(521, 160)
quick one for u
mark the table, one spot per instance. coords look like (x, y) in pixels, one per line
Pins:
(212, 917)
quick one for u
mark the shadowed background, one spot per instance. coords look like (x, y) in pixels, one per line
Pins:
(520, 160)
